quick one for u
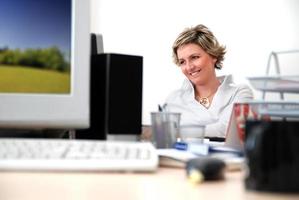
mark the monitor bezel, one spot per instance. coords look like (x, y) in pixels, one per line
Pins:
(57, 111)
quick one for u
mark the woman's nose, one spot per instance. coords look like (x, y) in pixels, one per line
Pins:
(190, 65)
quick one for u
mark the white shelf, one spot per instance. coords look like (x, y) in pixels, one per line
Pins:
(282, 84)
(276, 108)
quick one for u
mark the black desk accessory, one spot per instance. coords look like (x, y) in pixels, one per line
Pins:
(205, 169)
(272, 150)
(115, 97)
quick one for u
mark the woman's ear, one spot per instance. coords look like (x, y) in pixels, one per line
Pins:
(215, 61)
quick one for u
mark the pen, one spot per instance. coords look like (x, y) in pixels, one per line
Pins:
(162, 108)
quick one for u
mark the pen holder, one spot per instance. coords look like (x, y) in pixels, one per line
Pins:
(165, 128)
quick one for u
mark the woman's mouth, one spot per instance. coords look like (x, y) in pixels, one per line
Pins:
(195, 73)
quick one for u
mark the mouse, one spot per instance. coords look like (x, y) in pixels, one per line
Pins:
(205, 169)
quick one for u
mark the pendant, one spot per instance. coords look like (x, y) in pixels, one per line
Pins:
(205, 102)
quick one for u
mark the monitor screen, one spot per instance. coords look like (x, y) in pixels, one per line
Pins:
(44, 64)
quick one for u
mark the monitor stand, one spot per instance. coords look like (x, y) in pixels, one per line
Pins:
(123, 137)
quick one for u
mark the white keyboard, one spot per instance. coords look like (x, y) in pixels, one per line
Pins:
(76, 155)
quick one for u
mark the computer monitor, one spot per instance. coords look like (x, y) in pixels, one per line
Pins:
(44, 64)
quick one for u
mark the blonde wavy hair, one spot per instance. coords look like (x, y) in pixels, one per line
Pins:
(203, 37)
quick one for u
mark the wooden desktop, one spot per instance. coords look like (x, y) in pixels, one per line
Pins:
(165, 183)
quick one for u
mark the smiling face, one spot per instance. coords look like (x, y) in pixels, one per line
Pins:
(197, 65)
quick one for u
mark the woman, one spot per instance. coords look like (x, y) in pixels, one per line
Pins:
(204, 98)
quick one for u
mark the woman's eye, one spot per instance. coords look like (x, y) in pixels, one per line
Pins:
(194, 57)
(181, 62)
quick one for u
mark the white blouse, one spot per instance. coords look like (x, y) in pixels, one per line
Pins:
(216, 117)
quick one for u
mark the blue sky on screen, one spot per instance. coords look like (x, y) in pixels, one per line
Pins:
(35, 24)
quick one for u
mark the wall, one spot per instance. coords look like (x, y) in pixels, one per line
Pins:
(250, 29)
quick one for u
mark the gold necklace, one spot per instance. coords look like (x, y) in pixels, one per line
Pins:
(205, 100)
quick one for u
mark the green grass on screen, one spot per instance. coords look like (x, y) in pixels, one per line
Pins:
(18, 79)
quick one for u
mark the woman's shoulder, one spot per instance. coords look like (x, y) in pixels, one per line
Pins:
(240, 90)
(228, 80)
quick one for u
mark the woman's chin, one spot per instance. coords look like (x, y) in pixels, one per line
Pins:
(197, 81)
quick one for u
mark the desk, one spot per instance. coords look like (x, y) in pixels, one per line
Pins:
(166, 184)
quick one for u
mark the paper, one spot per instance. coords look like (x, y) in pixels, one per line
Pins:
(174, 157)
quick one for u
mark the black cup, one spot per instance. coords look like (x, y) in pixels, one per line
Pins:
(272, 151)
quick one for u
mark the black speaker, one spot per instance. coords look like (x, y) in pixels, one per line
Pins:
(115, 97)
(97, 45)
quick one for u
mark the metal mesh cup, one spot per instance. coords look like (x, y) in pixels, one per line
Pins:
(165, 128)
